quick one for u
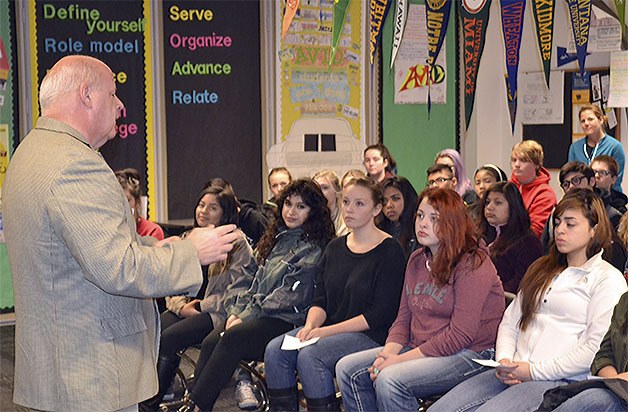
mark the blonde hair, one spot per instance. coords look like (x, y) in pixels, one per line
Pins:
(331, 176)
(529, 151)
(351, 174)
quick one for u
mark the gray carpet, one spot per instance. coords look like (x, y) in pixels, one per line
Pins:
(225, 403)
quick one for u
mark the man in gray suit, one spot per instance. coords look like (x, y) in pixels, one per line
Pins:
(86, 328)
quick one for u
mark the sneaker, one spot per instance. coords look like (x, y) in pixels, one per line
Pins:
(245, 395)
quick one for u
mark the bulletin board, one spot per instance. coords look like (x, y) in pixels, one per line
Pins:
(413, 136)
(9, 131)
(556, 138)
(118, 33)
(212, 98)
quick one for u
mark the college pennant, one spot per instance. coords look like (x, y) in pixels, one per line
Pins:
(338, 20)
(580, 16)
(378, 10)
(512, 25)
(474, 20)
(437, 18)
(288, 15)
(620, 5)
(512, 105)
(401, 14)
(543, 11)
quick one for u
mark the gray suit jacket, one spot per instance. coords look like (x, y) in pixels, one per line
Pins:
(86, 330)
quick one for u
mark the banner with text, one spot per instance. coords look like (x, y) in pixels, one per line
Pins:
(212, 99)
(437, 19)
(411, 71)
(512, 26)
(401, 15)
(378, 10)
(543, 11)
(580, 16)
(320, 114)
(117, 33)
(474, 20)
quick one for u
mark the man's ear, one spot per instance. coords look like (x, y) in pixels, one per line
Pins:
(454, 180)
(85, 94)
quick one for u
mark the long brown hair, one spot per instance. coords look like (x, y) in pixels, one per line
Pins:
(540, 274)
(317, 228)
(456, 232)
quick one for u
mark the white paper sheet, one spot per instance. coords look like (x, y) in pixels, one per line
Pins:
(292, 343)
(486, 362)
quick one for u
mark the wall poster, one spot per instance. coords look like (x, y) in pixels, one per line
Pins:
(411, 77)
(320, 114)
(9, 134)
(116, 32)
(212, 99)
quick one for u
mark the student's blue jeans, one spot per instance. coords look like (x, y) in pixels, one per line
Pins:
(315, 363)
(595, 399)
(398, 386)
(485, 392)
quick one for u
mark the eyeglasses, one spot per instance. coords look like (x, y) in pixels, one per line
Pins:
(575, 181)
(602, 172)
(434, 182)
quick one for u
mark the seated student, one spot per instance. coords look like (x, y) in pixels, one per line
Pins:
(253, 222)
(129, 179)
(379, 163)
(453, 159)
(505, 227)
(610, 362)
(483, 178)
(282, 289)
(354, 304)
(576, 175)
(532, 179)
(397, 217)
(552, 330)
(351, 174)
(278, 179)
(597, 142)
(451, 304)
(441, 176)
(330, 185)
(606, 170)
(189, 319)
(251, 218)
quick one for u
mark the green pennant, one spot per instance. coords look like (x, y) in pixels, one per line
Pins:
(621, 14)
(544, 22)
(338, 21)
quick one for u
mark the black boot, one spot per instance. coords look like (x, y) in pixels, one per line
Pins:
(166, 369)
(283, 400)
(328, 403)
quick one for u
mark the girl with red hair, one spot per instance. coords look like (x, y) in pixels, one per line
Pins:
(451, 304)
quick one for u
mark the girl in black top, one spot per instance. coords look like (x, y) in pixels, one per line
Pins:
(355, 301)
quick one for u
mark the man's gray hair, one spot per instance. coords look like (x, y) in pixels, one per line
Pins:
(65, 78)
